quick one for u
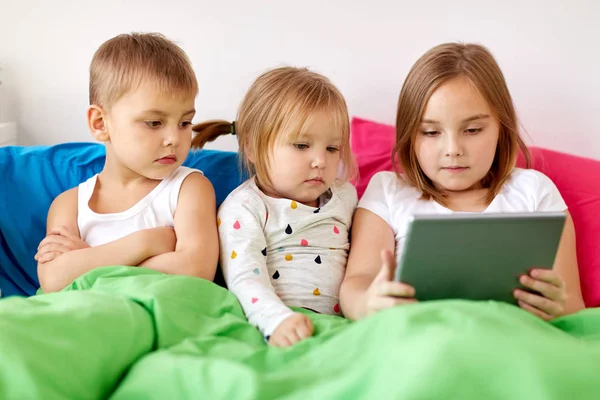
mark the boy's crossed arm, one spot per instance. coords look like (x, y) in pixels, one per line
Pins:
(63, 256)
(197, 247)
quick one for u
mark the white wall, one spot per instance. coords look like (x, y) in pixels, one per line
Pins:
(549, 51)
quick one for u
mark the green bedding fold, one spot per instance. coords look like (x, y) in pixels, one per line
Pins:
(73, 345)
(139, 334)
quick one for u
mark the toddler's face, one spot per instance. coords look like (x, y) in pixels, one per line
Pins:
(457, 139)
(304, 168)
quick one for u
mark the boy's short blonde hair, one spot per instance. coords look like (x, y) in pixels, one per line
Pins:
(281, 104)
(122, 63)
(438, 65)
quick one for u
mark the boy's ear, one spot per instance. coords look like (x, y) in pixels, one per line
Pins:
(97, 123)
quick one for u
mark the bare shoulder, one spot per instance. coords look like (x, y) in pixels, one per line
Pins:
(196, 188)
(63, 211)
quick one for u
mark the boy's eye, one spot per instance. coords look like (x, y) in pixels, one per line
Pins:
(301, 146)
(153, 124)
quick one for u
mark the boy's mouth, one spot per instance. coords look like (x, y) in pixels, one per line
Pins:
(170, 159)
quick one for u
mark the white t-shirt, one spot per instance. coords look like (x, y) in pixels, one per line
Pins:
(278, 253)
(526, 190)
(156, 209)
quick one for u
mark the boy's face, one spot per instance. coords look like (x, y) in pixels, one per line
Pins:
(150, 132)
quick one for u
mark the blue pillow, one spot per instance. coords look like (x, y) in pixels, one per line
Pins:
(30, 179)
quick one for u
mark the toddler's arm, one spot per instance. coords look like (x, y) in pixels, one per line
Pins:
(244, 262)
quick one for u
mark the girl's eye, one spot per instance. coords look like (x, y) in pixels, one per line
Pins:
(332, 149)
(153, 124)
(185, 124)
(430, 133)
(301, 146)
(473, 131)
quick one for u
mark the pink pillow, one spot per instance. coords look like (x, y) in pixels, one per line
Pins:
(372, 144)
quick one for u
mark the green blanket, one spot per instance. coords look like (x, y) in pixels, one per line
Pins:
(132, 333)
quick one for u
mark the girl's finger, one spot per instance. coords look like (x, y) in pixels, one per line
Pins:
(278, 341)
(549, 291)
(547, 275)
(541, 303)
(292, 336)
(395, 289)
(386, 273)
(534, 311)
(309, 324)
(303, 331)
(383, 303)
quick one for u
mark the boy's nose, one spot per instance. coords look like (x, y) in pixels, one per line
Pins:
(171, 137)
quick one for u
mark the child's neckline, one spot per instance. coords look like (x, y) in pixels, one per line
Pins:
(448, 210)
(324, 199)
(134, 209)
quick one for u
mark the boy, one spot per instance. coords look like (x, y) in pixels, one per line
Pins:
(143, 208)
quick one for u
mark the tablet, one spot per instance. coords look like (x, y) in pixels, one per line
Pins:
(476, 256)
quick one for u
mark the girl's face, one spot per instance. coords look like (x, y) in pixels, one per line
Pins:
(457, 139)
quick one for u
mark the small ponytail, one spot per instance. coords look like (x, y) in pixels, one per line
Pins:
(210, 130)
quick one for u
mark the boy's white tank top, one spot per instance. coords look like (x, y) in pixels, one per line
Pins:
(156, 209)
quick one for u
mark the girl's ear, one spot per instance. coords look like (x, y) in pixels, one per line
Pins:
(97, 123)
(249, 152)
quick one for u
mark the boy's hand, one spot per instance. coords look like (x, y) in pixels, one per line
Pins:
(551, 300)
(384, 292)
(59, 241)
(293, 329)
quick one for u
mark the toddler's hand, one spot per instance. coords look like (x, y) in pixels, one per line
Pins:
(384, 292)
(552, 297)
(59, 241)
(293, 329)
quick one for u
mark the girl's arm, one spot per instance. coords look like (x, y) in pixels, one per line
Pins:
(197, 250)
(369, 284)
(244, 261)
(566, 266)
(62, 270)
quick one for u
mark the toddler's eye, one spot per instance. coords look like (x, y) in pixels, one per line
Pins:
(301, 146)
